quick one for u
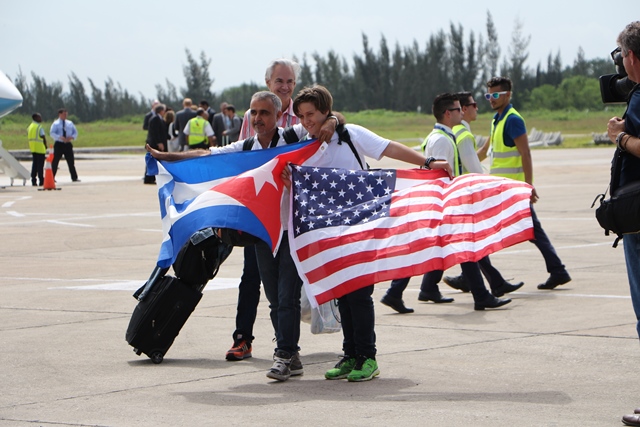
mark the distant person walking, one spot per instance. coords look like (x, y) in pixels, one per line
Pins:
(182, 118)
(147, 117)
(157, 136)
(210, 111)
(38, 148)
(236, 123)
(64, 132)
(220, 124)
(198, 131)
(511, 158)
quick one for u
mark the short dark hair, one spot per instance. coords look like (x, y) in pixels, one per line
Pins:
(203, 102)
(62, 110)
(463, 97)
(35, 116)
(442, 102)
(503, 82)
(231, 107)
(317, 95)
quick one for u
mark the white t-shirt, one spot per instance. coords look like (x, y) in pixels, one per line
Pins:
(339, 155)
(440, 147)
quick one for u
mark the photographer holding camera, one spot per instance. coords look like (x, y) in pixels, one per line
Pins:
(625, 132)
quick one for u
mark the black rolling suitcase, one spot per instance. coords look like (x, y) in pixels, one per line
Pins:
(158, 318)
(165, 302)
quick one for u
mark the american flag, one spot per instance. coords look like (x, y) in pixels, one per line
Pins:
(353, 228)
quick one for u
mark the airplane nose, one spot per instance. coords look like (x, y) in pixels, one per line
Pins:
(10, 97)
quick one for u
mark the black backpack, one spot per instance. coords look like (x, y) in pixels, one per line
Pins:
(200, 258)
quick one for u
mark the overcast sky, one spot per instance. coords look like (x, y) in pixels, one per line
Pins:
(140, 43)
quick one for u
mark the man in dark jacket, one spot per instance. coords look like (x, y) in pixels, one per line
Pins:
(156, 136)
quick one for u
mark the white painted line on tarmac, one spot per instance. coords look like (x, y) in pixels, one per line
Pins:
(73, 216)
(8, 204)
(16, 214)
(534, 249)
(218, 283)
(73, 224)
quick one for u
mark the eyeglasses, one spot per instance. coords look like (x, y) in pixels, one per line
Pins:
(454, 109)
(615, 51)
(494, 95)
(471, 104)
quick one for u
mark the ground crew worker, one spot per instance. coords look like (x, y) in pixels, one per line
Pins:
(198, 131)
(38, 148)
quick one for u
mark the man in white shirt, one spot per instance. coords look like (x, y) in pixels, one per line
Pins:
(441, 145)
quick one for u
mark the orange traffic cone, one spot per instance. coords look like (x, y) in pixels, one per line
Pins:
(49, 181)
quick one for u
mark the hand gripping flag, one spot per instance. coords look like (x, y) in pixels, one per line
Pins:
(240, 190)
(351, 229)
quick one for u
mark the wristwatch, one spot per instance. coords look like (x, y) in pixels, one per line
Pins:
(334, 118)
(427, 163)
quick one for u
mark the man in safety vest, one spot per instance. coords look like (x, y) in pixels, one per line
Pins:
(198, 132)
(38, 148)
(441, 145)
(467, 148)
(511, 157)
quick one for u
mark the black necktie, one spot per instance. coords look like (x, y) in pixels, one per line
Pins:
(64, 132)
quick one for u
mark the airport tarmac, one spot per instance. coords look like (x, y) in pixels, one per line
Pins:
(70, 260)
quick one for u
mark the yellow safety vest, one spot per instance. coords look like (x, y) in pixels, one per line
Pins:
(457, 171)
(36, 144)
(196, 130)
(505, 161)
(461, 132)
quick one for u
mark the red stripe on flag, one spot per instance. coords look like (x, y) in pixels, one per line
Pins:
(352, 284)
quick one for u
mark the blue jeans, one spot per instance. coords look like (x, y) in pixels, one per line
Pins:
(248, 296)
(282, 286)
(358, 323)
(542, 242)
(631, 243)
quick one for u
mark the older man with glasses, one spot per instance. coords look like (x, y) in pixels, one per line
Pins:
(511, 157)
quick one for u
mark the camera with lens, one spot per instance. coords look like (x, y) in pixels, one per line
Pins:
(615, 88)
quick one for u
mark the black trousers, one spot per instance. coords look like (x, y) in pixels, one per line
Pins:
(37, 168)
(64, 149)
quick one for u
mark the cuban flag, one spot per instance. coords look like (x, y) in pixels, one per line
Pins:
(240, 190)
(351, 228)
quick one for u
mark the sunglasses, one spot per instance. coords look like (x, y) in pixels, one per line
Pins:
(454, 109)
(494, 95)
(471, 104)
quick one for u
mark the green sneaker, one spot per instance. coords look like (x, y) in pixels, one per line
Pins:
(364, 370)
(342, 369)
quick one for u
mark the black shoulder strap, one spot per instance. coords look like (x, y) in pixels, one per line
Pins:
(343, 136)
(616, 169)
(290, 136)
(248, 143)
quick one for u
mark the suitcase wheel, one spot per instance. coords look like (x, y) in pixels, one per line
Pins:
(156, 357)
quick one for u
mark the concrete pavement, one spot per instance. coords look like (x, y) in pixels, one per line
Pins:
(70, 259)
